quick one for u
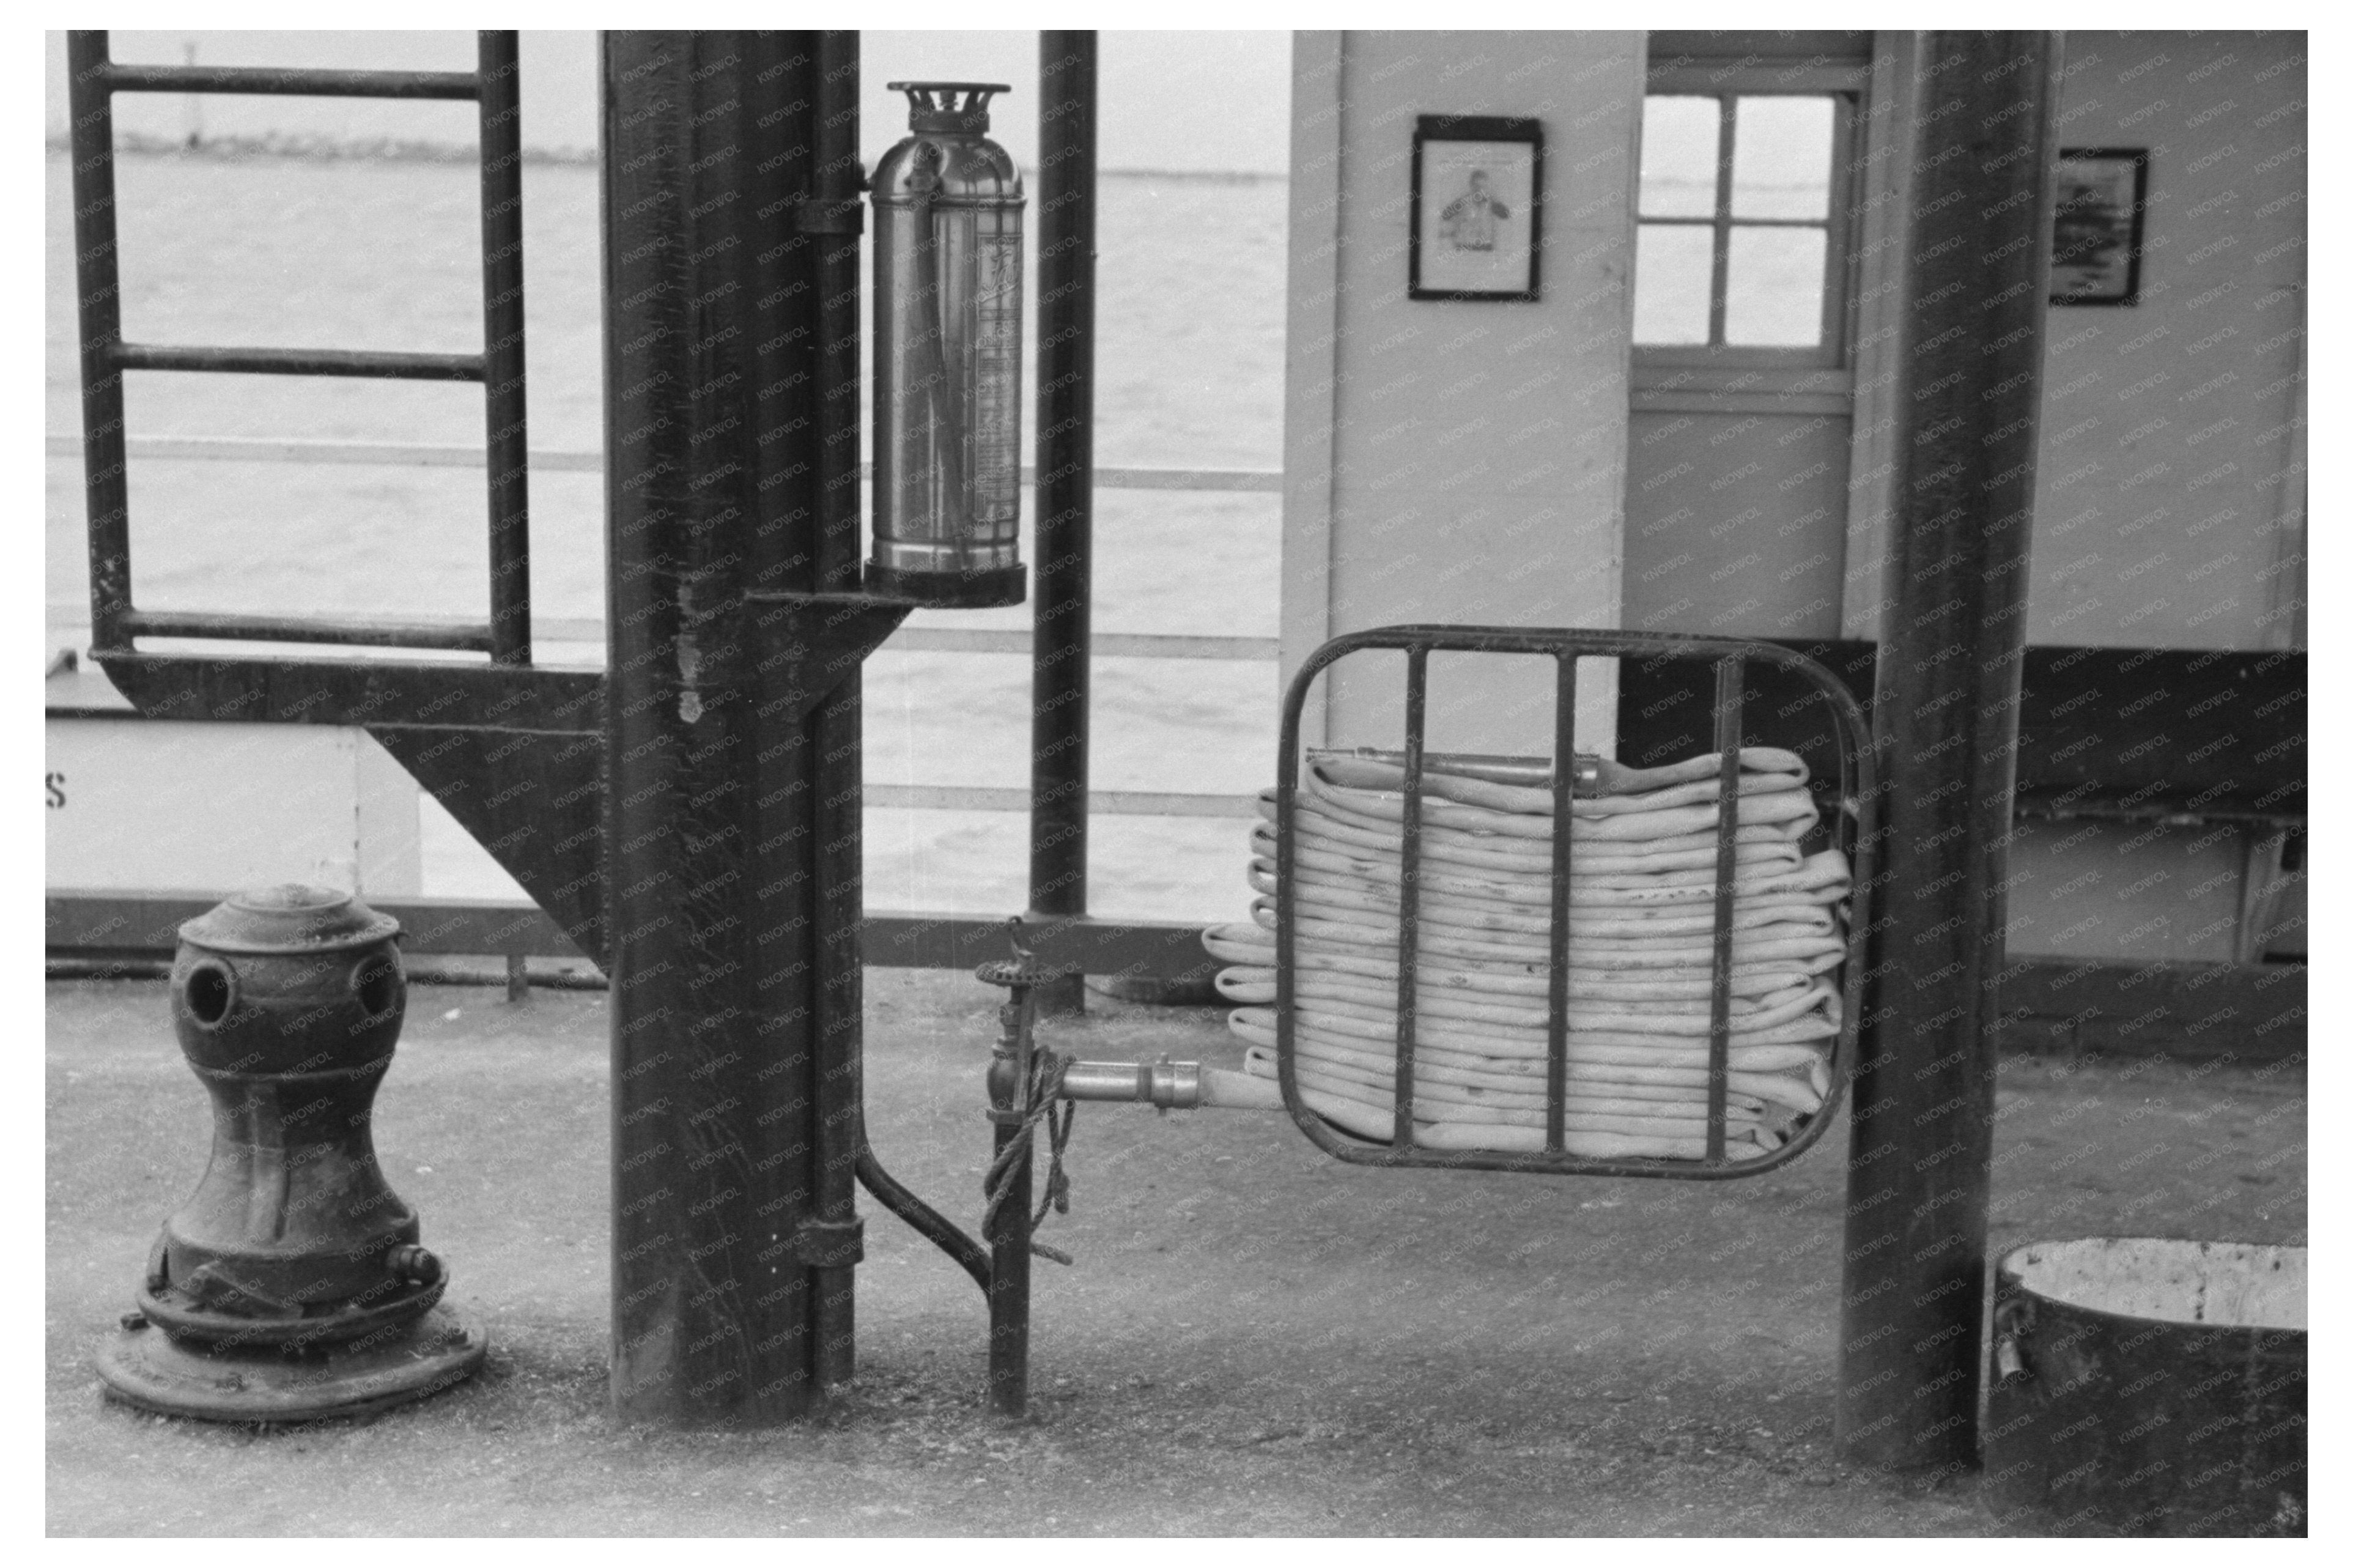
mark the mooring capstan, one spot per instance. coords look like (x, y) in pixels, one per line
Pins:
(293, 1283)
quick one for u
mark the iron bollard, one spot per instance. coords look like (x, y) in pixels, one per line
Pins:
(292, 1284)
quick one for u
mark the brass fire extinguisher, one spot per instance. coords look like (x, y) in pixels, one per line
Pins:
(947, 355)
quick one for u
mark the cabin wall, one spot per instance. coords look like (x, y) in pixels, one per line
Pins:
(136, 804)
(1468, 462)
(2164, 477)
(2169, 492)
(1455, 460)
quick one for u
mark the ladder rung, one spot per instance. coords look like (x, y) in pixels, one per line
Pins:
(121, 77)
(464, 636)
(301, 362)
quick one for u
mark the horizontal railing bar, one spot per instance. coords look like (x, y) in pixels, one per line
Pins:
(71, 618)
(464, 636)
(1100, 802)
(1240, 480)
(290, 81)
(419, 454)
(1105, 644)
(260, 449)
(147, 921)
(386, 366)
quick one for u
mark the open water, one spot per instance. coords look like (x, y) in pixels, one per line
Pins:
(382, 255)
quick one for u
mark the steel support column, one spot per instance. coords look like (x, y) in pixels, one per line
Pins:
(832, 223)
(1952, 639)
(1062, 578)
(714, 869)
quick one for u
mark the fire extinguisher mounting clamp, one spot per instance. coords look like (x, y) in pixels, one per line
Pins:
(947, 357)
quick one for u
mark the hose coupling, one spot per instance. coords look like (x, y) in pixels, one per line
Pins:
(1170, 1086)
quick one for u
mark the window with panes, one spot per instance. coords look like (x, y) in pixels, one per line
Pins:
(1741, 258)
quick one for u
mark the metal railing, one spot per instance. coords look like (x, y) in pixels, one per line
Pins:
(428, 454)
(93, 79)
(906, 640)
(507, 636)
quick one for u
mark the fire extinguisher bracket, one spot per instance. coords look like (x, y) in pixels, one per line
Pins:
(826, 635)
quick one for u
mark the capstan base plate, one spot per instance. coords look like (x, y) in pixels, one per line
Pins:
(145, 1367)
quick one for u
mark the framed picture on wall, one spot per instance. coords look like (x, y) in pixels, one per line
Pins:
(1477, 212)
(2099, 197)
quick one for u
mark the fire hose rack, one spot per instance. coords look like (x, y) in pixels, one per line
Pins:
(1851, 791)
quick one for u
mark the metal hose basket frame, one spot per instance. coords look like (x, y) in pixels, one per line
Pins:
(1855, 793)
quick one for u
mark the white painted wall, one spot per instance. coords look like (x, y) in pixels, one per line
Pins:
(145, 804)
(2171, 493)
(1455, 460)
(2170, 487)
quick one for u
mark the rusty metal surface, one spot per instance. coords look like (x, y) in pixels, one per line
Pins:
(146, 1368)
(535, 802)
(1062, 609)
(287, 1002)
(2117, 1422)
(720, 533)
(291, 1283)
(373, 692)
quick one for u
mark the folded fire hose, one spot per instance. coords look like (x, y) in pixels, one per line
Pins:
(1639, 955)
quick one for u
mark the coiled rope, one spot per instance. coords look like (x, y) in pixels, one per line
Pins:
(1045, 1105)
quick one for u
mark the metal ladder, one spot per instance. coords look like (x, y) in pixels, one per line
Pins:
(94, 79)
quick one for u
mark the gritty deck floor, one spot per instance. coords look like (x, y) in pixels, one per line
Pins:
(1253, 1340)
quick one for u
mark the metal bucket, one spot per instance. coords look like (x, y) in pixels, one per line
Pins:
(2149, 1387)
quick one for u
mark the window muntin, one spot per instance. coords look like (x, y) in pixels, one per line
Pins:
(1739, 251)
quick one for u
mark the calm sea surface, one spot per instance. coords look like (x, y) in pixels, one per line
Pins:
(380, 255)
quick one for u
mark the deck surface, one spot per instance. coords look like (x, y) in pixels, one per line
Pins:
(1254, 1341)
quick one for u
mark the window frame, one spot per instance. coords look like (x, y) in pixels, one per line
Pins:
(1727, 82)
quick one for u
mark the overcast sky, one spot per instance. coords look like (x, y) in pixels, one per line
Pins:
(1194, 101)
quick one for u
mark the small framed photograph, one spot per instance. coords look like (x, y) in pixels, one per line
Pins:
(1478, 207)
(2099, 197)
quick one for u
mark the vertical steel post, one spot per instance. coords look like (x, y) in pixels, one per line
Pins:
(1065, 494)
(1564, 798)
(1951, 645)
(1007, 1231)
(710, 486)
(1409, 987)
(832, 222)
(105, 478)
(503, 358)
(1729, 680)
